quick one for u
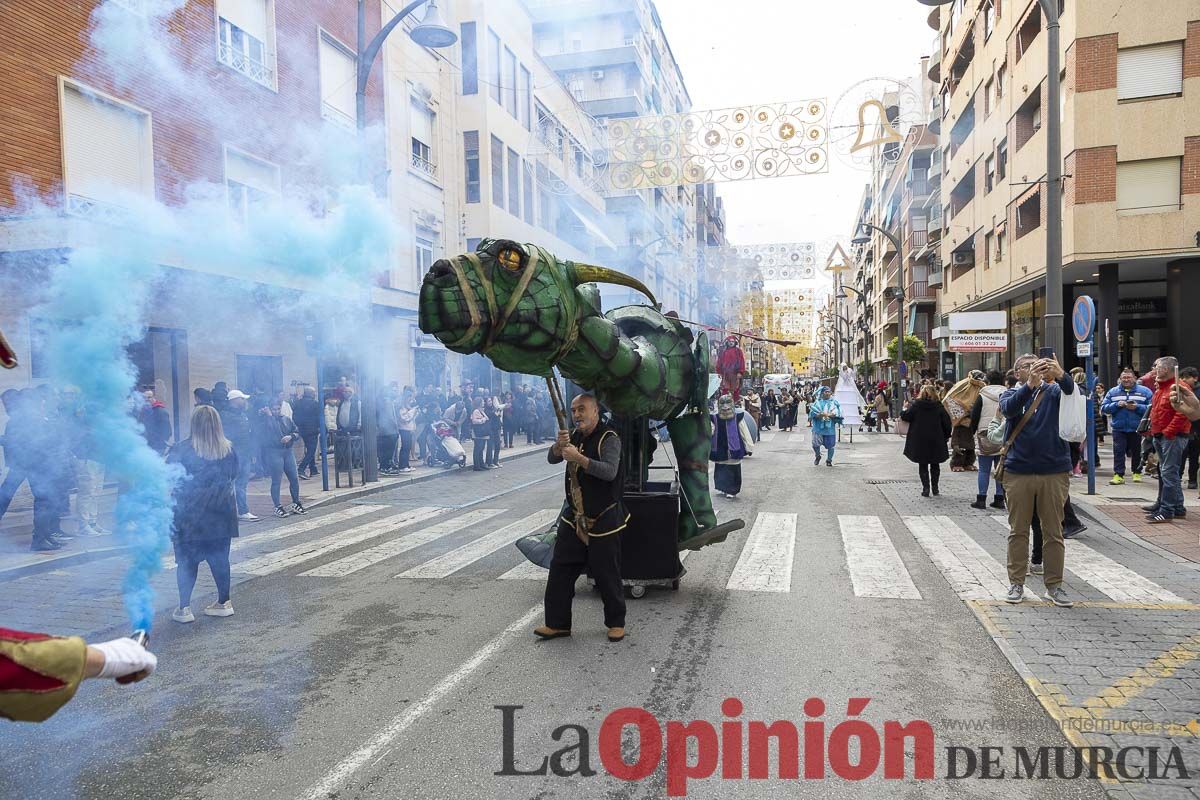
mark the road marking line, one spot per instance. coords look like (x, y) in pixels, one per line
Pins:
(1112, 578)
(297, 554)
(373, 555)
(766, 437)
(969, 569)
(449, 563)
(286, 530)
(1143, 678)
(876, 569)
(380, 741)
(765, 563)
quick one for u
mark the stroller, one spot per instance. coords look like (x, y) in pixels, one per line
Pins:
(869, 420)
(447, 451)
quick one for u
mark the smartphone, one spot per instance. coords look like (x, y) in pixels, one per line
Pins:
(1046, 352)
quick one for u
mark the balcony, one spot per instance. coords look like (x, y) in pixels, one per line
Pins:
(935, 280)
(424, 166)
(920, 291)
(237, 60)
(917, 240)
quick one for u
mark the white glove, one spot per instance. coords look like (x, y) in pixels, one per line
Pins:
(125, 657)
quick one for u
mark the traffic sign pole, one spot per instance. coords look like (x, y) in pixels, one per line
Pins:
(1083, 325)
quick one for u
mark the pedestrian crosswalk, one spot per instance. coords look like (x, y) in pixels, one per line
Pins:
(881, 562)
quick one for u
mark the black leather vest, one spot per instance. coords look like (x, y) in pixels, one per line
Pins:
(601, 499)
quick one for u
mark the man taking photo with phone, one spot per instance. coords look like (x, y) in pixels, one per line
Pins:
(1170, 430)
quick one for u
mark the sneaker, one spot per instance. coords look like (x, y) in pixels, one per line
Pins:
(62, 536)
(220, 609)
(298, 509)
(1137, 477)
(248, 517)
(1117, 480)
(1191, 484)
(829, 463)
(817, 461)
(1037, 569)
(183, 615)
(87, 530)
(1059, 597)
(1151, 509)
(280, 512)
(45, 545)
(1015, 593)
(1158, 517)
(407, 470)
(1071, 531)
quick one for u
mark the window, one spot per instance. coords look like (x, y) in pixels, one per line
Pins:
(493, 73)
(249, 182)
(471, 156)
(1028, 119)
(508, 82)
(1153, 71)
(243, 33)
(1001, 238)
(423, 121)
(422, 255)
(990, 166)
(338, 82)
(1001, 75)
(527, 98)
(1029, 31)
(497, 155)
(1148, 187)
(989, 18)
(527, 180)
(988, 244)
(988, 90)
(514, 183)
(470, 59)
(1002, 161)
(106, 152)
(1029, 213)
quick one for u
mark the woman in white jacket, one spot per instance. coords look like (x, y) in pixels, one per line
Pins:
(982, 412)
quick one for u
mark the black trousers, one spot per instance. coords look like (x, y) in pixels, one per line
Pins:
(386, 443)
(1070, 520)
(309, 463)
(479, 456)
(929, 472)
(493, 448)
(601, 558)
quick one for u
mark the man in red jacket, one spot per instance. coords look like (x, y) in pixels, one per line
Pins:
(1170, 431)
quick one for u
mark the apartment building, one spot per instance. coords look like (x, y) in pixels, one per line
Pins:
(252, 76)
(1131, 147)
(615, 59)
(901, 201)
(714, 306)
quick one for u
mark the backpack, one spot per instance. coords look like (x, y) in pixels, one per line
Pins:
(991, 442)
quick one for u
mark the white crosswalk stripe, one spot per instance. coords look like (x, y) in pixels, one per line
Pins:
(766, 437)
(297, 554)
(876, 569)
(1113, 579)
(971, 571)
(297, 526)
(449, 563)
(394, 547)
(765, 563)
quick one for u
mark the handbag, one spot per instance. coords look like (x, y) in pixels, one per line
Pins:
(1072, 416)
(1144, 426)
(992, 440)
(902, 426)
(998, 473)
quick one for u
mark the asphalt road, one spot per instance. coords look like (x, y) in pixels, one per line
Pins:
(358, 683)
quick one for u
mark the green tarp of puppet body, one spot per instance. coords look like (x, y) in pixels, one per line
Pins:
(529, 312)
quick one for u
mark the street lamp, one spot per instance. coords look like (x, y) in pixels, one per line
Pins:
(432, 32)
(1052, 331)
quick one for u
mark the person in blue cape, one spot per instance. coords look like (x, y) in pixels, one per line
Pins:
(730, 444)
(826, 415)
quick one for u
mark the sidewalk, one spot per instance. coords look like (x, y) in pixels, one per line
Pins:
(17, 525)
(1123, 506)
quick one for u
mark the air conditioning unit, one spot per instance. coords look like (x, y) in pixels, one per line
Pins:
(597, 74)
(963, 259)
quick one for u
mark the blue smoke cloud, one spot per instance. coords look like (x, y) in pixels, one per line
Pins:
(330, 243)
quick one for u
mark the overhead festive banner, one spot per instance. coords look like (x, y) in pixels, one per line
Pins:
(777, 261)
(726, 144)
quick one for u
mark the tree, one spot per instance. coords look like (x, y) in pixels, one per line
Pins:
(864, 368)
(914, 349)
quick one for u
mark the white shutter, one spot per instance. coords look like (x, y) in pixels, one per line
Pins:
(249, 15)
(1148, 187)
(1150, 71)
(106, 148)
(422, 123)
(337, 78)
(260, 175)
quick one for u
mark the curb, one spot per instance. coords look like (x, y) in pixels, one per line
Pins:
(85, 556)
(1120, 530)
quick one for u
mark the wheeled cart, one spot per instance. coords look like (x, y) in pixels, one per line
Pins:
(649, 548)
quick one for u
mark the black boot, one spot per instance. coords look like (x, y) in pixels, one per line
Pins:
(935, 486)
(924, 486)
(980, 502)
(998, 502)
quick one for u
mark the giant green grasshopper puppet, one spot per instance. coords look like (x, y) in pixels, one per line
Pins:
(529, 312)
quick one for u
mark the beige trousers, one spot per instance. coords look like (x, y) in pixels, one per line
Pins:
(1049, 494)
